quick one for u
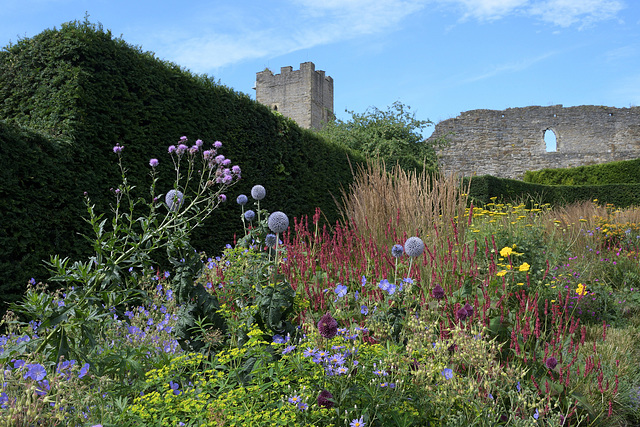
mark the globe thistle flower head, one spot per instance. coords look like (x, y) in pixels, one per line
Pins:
(325, 399)
(258, 192)
(438, 292)
(328, 326)
(278, 221)
(249, 215)
(174, 199)
(414, 246)
(551, 362)
(270, 240)
(397, 251)
(242, 200)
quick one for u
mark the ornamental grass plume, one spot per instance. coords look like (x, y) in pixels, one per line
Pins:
(174, 199)
(328, 326)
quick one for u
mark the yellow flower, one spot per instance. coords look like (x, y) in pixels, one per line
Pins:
(581, 290)
(501, 273)
(524, 267)
(520, 284)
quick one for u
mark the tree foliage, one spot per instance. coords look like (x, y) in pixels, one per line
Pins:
(394, 134)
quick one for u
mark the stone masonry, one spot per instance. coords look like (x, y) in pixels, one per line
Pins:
(509, 142)
(304, 95)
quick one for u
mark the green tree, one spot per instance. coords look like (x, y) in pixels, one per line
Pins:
(394, 135)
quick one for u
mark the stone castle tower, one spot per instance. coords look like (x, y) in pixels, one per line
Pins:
(304, 95)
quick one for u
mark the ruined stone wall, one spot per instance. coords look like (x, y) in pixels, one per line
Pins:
(304, 95)
(509, 142)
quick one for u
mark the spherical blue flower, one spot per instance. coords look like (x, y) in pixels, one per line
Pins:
(242, 199)
(270, 240)
(397, 251)
(278, 222)
(249, 215)
(258, 192)
(414, 246)
(174, 199)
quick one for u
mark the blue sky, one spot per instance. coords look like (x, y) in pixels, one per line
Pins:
(440, 57)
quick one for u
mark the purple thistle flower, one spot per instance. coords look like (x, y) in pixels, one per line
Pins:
(328, 326)
(181, 149)
(153, 163)
(199, 142)
(172, 149)
(118, 148)
(325, 399)
(223, 198)
(217, 144)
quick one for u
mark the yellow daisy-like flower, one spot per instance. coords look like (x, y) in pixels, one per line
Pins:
(506, 251)
(501, 273)
(581, 290)
(524, 267)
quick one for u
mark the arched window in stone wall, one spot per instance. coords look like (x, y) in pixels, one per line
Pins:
(550, 141)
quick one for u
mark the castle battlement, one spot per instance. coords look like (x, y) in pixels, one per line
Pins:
(304, 95)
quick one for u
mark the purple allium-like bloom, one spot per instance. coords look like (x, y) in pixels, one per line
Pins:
(249, 215)
(414, 246)
(397, 251)
(153, 163)
(223, 198)
(217, 144)
(551, 362)
(469, 309)
(462, 314)
(438, 292)
(174, 199)
(278, 221)
(258, 192)
(118, 148)
(35, 371)
(325, 399)
(328, 326)
(242, 200)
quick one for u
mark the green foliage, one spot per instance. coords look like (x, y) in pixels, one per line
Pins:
(83, 91)
(483, 188)
(622, 172)
(394, 135)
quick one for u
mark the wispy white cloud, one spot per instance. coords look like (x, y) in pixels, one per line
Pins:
(510, 67)
(304, 24)
(563, 13)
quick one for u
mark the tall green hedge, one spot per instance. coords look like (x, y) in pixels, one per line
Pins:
(80, 91)
(621, 172)
(483, 188)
